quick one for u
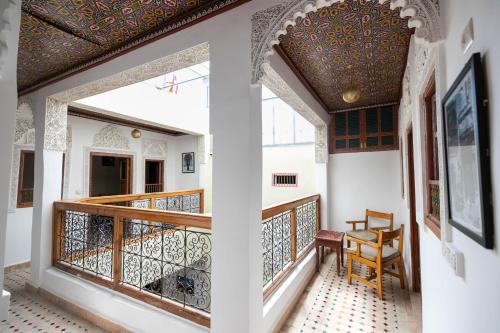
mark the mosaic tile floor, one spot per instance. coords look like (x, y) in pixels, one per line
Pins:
(31, 313)
(331, 305)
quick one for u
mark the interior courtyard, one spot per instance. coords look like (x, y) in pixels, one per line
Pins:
(249, 166)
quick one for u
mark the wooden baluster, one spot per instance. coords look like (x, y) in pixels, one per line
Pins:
(56, 231)
(318, 215)
(202, 201)
(293, 232)
(152, 203)
(117, 253)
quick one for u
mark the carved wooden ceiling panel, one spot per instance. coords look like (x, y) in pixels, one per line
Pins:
(60, 36)
(354, 43)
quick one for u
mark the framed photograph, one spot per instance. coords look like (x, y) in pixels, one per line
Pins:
(466, 153)
(188, 162)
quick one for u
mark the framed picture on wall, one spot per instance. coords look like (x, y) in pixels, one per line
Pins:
(188, 162)
(466, 152)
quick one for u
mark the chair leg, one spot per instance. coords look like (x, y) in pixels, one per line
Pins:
(349, 268)
(379, 282)
(401, 274)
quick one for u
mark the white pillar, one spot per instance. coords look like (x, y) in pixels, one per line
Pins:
(50, 131)
(10, 14)
(322, 175)
(235, 120)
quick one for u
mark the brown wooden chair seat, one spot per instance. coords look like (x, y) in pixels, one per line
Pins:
(365, 235)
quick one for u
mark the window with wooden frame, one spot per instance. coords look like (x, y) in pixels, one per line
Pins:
(432, 206)
(26, 179)
(370, 129)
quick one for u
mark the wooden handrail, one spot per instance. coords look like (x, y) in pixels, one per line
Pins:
(142, 196)
(274, 210)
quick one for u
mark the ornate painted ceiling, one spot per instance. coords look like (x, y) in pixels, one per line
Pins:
(59, 37)
(355, 43)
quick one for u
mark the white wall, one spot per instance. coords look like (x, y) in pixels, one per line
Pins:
(360, 181)
(18, 245)
(470, 303)
(83, 131)
(288, 159)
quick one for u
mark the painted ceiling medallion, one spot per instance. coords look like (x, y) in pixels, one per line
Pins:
(365, 34)
(59, 37)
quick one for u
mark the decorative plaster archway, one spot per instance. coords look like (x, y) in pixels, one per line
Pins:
(269, 24)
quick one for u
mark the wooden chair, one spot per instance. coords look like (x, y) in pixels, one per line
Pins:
(368, 226)
(377, 256)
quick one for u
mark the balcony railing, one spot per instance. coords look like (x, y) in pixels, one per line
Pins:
(161, 256)
(288, 232)
(157, 247)
(435, 207)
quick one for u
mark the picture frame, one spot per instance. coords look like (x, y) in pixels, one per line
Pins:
(188, 162)
(466, 146)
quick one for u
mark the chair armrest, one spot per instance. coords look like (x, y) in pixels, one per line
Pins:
(355, 222)
(360, 241)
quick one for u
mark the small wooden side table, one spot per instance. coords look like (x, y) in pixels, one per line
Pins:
(333, 240)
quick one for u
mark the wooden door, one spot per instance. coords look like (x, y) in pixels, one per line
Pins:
(414, 232)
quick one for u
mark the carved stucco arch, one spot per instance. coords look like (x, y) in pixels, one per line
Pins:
(269, 24)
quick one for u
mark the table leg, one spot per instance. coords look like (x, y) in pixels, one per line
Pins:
(342, 253)
(337, 250)
(323, 254)
(317, 257)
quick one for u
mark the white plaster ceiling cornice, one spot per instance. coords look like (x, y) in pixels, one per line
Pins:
(179, 60)
(7, 11)
(269, 24)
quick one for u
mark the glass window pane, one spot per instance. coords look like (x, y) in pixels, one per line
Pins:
(353, 122)
(371, 120)
(340, 124)
(386, 121)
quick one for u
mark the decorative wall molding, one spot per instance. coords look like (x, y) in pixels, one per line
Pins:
(67, 162)
(24, 140)
(269, 24)
(7, 11)
(152, 148)
(321, 144)
(56, 119)
(111, 136)
(185, 58)
(278, 86)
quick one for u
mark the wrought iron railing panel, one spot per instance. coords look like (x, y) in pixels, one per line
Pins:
(169, 261)
(276, 244)
(87, 242)
(306, 225)
(179, 203)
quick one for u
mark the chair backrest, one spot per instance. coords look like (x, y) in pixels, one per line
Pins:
(389, 217)
(386, 236)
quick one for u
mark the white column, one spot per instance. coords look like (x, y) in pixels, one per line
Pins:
(235, 120)
(50, 131)
(10, 14)
(322, 175)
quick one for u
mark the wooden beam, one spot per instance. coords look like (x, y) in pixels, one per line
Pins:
(87, 114)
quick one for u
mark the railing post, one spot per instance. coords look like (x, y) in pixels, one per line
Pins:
(318, 214)
(117, 253)
(56, 228)
(152, 203)
(293, 233)
(202, 201)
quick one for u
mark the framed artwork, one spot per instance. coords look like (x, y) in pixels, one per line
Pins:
(466, 152)
(188, 162)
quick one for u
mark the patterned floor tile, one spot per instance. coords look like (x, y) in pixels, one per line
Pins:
(332, 305)
(31, 313)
